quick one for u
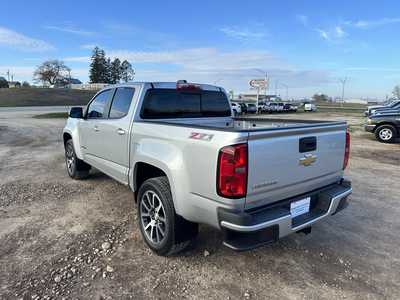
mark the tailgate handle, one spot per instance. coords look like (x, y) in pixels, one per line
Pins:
(307, 144)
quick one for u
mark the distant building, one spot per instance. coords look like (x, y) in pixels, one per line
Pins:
(14, 84)
(66, 82)
(261, 98)
(88, 86)
(356, 101)
(352, 100)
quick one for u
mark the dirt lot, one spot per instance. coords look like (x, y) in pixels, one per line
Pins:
(68, 239)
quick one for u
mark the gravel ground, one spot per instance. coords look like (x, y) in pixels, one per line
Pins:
(65, 239)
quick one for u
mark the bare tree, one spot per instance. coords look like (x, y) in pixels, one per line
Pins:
(51, 71)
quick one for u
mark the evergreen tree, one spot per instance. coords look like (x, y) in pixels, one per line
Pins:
(116, 71)
(98, 66)
(127, 72)
(108, 78)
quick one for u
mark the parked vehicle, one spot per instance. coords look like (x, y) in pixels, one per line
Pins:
(243, 107)
(236, 108)
(188, 161)
(251, 108)
(392, 105)
(310, 107)
(274, 107)
(289, 108)
(280, 106)
(386, 127)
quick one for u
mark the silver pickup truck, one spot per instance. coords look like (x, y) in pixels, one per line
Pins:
(189, 162)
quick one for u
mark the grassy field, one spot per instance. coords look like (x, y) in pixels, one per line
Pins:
(54, 115)
(44, 97)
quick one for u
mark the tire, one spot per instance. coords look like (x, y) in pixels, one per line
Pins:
(76, 168)
(386, 133)
(163, 230)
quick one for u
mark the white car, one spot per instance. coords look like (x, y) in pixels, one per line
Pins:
(236, 108)
(310, 107)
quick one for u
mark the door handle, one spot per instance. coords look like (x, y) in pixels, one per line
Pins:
(95, 128)
(120, 131)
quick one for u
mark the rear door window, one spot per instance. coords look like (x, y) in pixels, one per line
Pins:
(121, 102)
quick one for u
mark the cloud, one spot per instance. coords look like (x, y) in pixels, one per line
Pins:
(232, 69)
(334, 34)
(323, 34)
(22, 42)
(339, 32)
(303, 19)
(81, 59)
(235, 68)
(88, 46)
(372, 69)
(244, 33)
(202, 58)
(70, 29)
(362, 24)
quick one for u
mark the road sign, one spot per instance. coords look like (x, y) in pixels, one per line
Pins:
(258, 83)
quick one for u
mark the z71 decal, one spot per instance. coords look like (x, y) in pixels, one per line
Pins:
(201, 136)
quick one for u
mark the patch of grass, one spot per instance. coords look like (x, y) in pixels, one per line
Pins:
(341, 110)
(44, 97)
(55, 115)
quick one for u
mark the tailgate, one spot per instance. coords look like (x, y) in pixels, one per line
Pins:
(285, 163)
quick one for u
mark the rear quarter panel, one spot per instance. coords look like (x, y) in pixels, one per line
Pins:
(189, 163)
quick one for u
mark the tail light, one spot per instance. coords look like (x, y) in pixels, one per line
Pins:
(346, 150)
(232, 171)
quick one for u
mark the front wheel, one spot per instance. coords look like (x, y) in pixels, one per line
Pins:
(163, 230)
(386, 133)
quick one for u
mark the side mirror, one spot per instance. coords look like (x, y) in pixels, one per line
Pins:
(76, 112)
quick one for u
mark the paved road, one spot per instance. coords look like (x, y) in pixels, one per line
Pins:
(35, 109)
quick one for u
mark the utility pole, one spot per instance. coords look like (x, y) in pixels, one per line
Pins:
(276, 87)
(265, 73)
(8, 75)
(287, 91)
(343, 82)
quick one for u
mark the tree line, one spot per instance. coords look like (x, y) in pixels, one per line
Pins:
(102, 70)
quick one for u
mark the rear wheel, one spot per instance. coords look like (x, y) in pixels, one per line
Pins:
(76, 168)
(163, 230)
(386, 133)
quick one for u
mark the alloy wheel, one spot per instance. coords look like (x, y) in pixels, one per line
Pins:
(152, 217)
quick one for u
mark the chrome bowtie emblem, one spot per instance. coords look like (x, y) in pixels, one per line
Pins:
(307, 160)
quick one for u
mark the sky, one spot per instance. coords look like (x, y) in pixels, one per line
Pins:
(308, 46)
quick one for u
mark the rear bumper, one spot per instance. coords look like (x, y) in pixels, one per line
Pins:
(369, 128)
(251, 229)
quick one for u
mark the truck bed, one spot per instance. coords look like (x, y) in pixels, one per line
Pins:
(248, 124)
(275, 151)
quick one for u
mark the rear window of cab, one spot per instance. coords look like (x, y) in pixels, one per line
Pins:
(171, 103)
